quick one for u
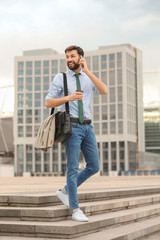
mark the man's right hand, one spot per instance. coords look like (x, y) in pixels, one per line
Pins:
(55, 102)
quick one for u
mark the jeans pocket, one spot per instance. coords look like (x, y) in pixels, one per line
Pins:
(74, 125)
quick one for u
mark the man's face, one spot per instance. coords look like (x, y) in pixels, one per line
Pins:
(72, 59)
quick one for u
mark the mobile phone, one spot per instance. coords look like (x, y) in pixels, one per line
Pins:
(82, 63)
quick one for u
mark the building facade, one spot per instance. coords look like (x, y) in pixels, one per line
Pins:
(117, 117)
(152, 127)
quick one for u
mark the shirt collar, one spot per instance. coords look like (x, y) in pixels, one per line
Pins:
(73, 73)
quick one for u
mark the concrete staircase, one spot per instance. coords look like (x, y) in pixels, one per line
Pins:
(113, 214)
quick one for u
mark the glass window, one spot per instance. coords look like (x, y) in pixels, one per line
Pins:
(62, 65)
(20, 80)
(119, 94)
(104, 77)
(46, 71)
(104, 98)
(119, 60)
(37, 87)
(112, 127)
(113, 145)
(96, 128)
(105, 167)
(20, 96)
(20, 88)
(20, 120)
(96, 112)
(28, 131)
(20, 72)
(88, 60)
(112, 78)
(46, 87)
(55, 70)
(120, 111)
(105, 145)
(20, 112)
(103, 61)
(20, 104)
(28, 71)
(95, 98)
(119, 76)
(112, 111)
(46, 63)
(37, 63)
(28, 80)
(20, 131)
(37, 71)
(29, 87)
(121, 144)
(46, 112)
(113, 155)
(37, 95)
(46, 79)
(105, 128)
(28, 64)
(28, 112)
(28, 104)
(37, 79)
(95, 63)
(38, 120)
(103, 58)
(37, 103)
(37, 112)
(54, 66)
(104, 112)
(112, 96)
(28, 120)
(54, 63)
(29, 96)
(112, 60)
(20, 64)
(120, 127)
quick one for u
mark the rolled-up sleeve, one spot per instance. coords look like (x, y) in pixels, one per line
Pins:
(56, 87)
(94, 89)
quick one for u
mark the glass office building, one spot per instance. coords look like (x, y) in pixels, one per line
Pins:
(117, 117)
(152, 128)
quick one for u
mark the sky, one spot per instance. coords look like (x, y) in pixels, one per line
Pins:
(56, 24)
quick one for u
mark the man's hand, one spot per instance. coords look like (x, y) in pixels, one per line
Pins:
(75, 96)
(83, 63)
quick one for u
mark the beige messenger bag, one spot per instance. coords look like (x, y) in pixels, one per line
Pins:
(46, 134)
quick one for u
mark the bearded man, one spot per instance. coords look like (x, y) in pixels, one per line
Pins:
(81, 83)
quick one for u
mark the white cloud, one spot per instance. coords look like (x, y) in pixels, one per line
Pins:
(140, 23)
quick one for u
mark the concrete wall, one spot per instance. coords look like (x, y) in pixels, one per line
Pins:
(6, 170)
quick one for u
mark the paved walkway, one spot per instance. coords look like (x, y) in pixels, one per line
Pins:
(35, 185)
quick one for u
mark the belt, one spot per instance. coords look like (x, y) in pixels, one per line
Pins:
(76, 120)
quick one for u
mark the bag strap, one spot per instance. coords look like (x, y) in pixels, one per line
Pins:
(65, 93)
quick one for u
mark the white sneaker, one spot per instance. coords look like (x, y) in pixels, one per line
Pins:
(79, 216)
(63, 197)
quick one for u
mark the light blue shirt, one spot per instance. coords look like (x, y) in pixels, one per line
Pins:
(56, 90)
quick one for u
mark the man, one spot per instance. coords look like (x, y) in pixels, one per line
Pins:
(81, 81)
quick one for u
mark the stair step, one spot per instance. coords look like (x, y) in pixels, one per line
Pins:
(56, 213)
(45, 199)
(69, 229)
(136, 230)
(133, 231)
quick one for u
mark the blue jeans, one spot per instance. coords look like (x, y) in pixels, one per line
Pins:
(83, 138)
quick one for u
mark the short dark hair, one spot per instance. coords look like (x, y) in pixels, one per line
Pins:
(74, 47)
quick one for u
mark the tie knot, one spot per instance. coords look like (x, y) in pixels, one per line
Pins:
(77, 74)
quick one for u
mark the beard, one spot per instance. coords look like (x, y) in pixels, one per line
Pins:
(74, 66)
